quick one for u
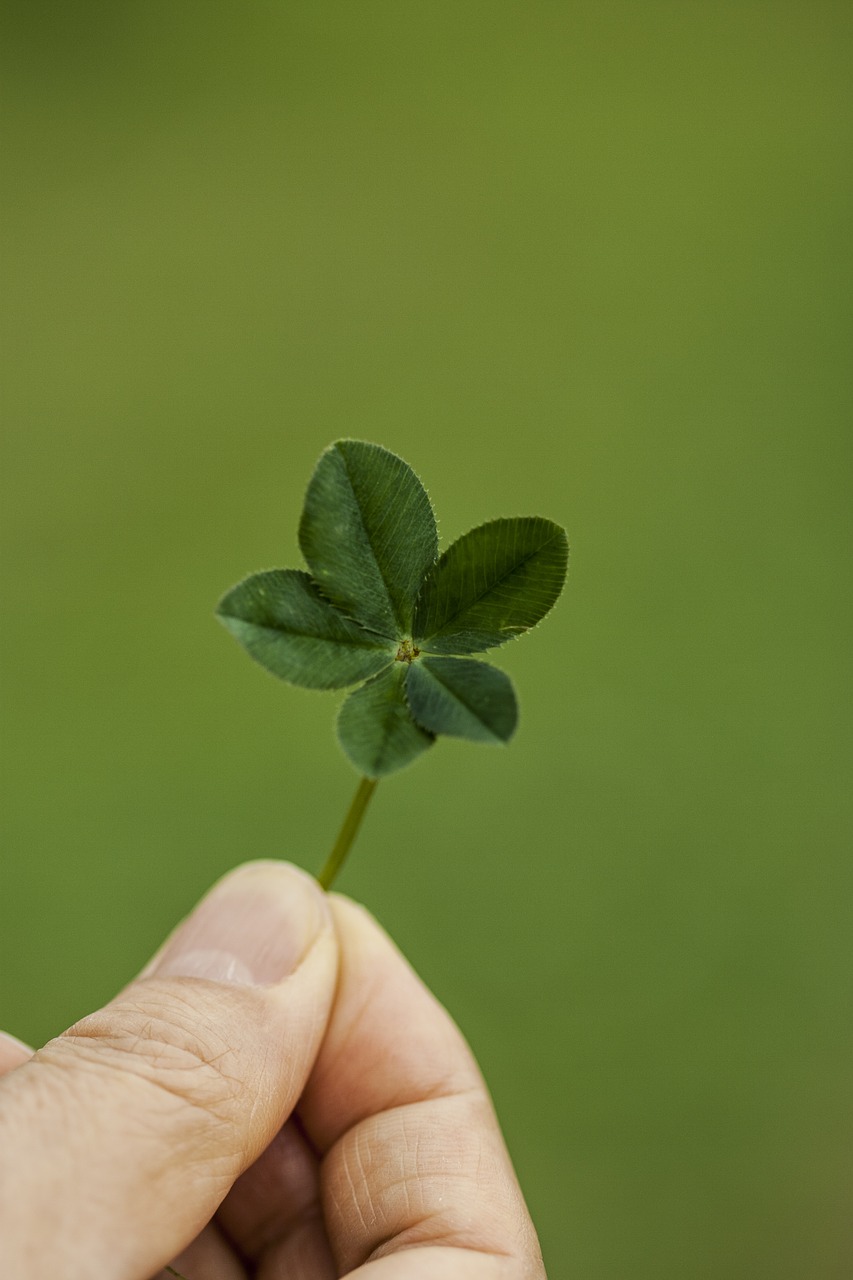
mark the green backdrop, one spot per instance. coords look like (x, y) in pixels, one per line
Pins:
(584, 260)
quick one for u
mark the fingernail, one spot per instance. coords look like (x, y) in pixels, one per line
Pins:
(254, 927)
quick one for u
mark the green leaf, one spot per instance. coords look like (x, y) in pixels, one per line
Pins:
(368, 534)
(375, 726)
(492, 584)
(281, 618)
(463, 698)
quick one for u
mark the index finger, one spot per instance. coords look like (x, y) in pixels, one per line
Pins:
(412, 1155)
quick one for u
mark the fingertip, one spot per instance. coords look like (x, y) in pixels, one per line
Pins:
(351, 917)
(275, 867)
(361, 932)
(389, 1042)
(255, 924)
(13, 1052)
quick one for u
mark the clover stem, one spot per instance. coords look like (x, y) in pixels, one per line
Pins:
(173, 1272)
(348, 832)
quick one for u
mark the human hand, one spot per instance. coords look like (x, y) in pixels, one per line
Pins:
(277, 1095)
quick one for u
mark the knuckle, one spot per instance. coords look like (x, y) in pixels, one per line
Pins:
(156, 1039)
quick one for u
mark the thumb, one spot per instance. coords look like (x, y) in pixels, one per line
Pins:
(120, 1138)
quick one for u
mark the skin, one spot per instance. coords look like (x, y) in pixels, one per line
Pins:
(307, 1110)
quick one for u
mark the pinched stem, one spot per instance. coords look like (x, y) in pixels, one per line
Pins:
(173, 1272)
(348, 832)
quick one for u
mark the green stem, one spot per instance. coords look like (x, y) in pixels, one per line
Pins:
(348, 832)
(173, 1272)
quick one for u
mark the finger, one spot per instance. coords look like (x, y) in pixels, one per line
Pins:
(413, 1159)
(12, 1052)
(209, 1257)
(125, 1133)
(273, 1211)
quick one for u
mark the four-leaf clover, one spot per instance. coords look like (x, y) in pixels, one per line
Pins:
(381, 609)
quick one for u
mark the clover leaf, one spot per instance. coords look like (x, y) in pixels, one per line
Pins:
(381, 609)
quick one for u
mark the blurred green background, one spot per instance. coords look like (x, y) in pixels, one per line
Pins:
(582, 260)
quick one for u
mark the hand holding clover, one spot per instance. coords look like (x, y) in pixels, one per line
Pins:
(215, 1115)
